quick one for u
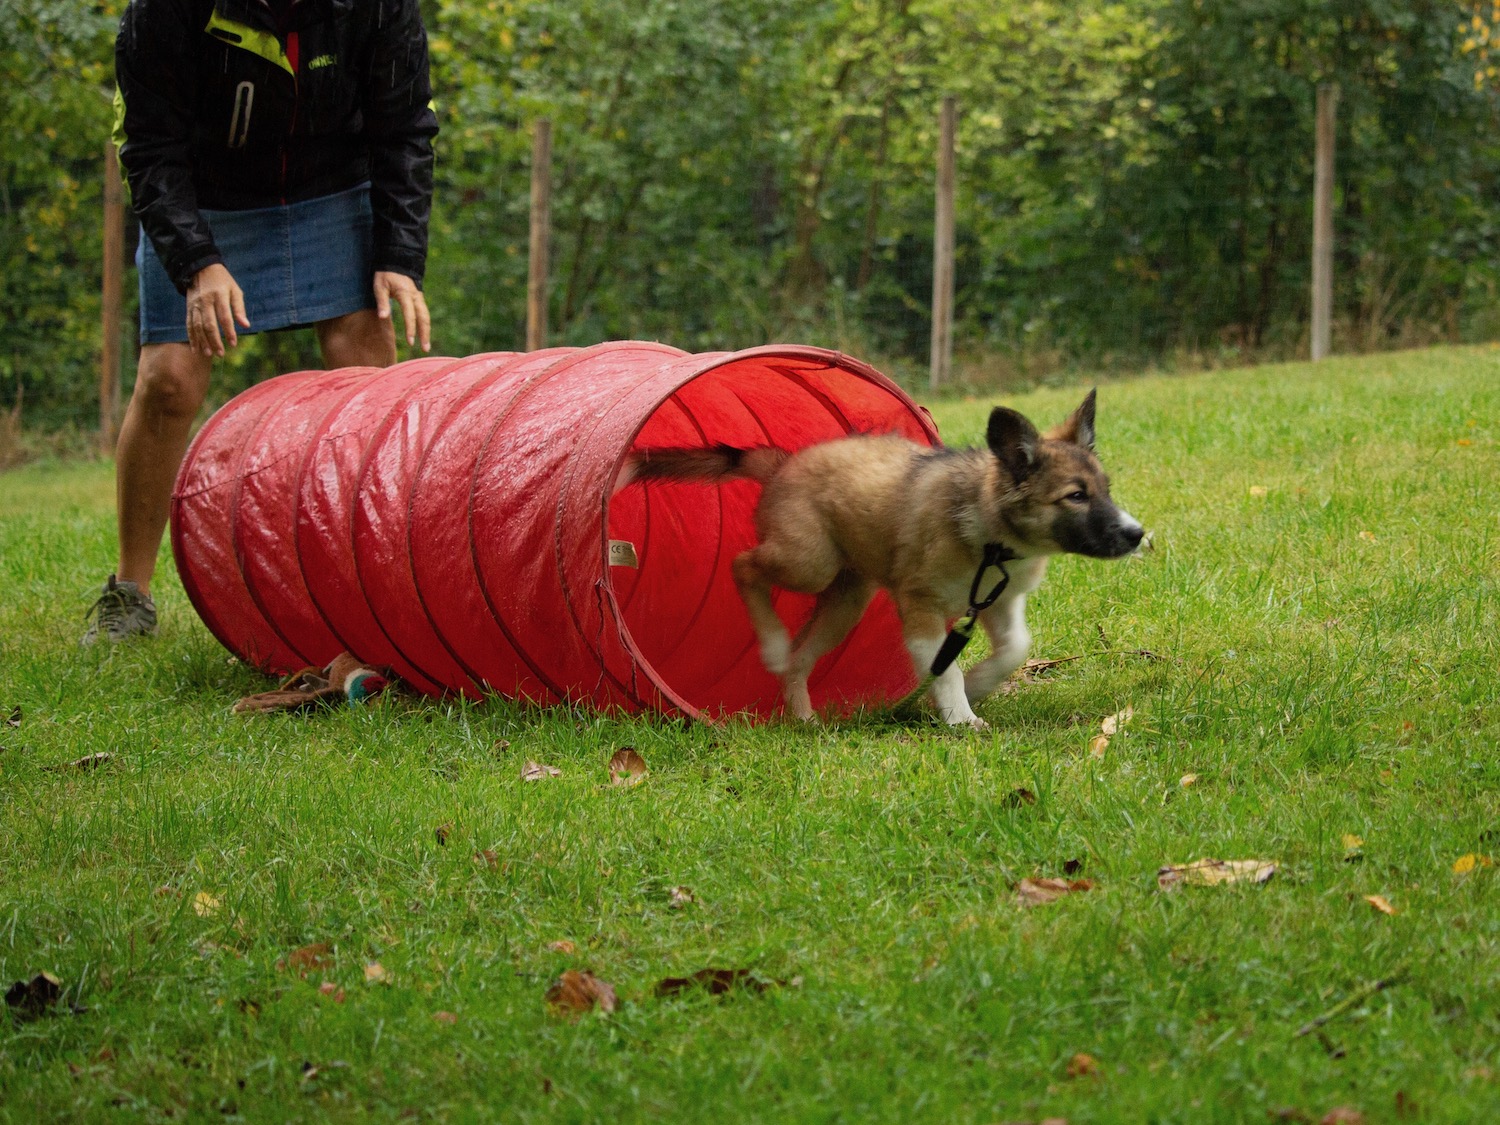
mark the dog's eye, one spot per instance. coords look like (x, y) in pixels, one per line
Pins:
(1079, 497)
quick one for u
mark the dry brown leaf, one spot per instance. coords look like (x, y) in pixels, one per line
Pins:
(627, 767)
(376, 973)
(1380, 903)
(488, 858)
(535, 771)
(500, 747)
(1467, 863)
(1113, 724)
(1213, 872)
(1187, 780)
(578, 991)
(1083, 1066)
(1018, 797)
(1342, 1115)
(442, 832)
(680, 897)
(86, 764)
(445, 1017)
(15, 717)
(563, 946)
(1038, 892)
(310, 958)
(1258, 490)
(205, 905)
(715, 982)
(1367, 536)
(31, 998)
(1354, 847)
(331, 990)
(1098, 745)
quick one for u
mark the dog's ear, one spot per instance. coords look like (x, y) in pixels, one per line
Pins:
(1079, 428)
(1013, 439)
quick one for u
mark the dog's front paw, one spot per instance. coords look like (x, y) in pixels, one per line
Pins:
(975, 724)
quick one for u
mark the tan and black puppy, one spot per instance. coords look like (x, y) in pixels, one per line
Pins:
(844, 517)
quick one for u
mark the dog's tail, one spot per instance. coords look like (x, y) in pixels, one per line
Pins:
(709, 463)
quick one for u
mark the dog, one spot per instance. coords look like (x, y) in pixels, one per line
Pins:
(843, 517)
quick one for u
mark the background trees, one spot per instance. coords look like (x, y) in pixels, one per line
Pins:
(1135, 176)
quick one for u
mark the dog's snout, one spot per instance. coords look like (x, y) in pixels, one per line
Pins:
(1132, 533)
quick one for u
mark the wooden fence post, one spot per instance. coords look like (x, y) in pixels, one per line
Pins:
(942, 249)
(1322, 256)
(110, 303)
(541, 221)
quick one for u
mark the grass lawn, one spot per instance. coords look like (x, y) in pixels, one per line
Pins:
(1323, 597)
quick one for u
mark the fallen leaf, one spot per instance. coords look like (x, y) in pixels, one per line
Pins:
(1018, 797)
(627, 767)
(535, 771)
(442, 832)
(1083, 1066)
(500, 747)
(680, 897)
(1072, 866)
(308, 959)
(1467, 863)
(1037, 892)
(1465, 441)
(1258, 490)
(578, 991)
(1288, 1113)
(715, 982)
(445, 1017)
(248, 1007)
(375, 973)
(1213, 872)
(1113, 723)
(15, 717)
(563, 946)
(205, 905)
(1380, 903)
(1354, 848)
(85, 764)
(1098, 745)
(164, 890)
(1367, 536)
(31, 998)
(488, 858)
(331, 990)
(1342, 1115)
(1187, 780)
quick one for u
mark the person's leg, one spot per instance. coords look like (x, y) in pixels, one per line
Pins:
(170, 384)
(357, 339)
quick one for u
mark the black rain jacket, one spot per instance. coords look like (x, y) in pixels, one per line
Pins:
(238, 104)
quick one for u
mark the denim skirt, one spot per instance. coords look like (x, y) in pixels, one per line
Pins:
(297, 264)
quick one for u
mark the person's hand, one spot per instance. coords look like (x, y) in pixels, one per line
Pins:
(215, 302)
(414, 316)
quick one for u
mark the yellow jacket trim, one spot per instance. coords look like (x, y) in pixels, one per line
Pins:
(252, 39)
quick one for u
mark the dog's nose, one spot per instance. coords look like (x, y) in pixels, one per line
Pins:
(1132, 533)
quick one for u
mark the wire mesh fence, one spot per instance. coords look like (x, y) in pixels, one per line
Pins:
(1134, 184)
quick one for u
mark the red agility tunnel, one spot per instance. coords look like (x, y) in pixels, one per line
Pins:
(457, 521)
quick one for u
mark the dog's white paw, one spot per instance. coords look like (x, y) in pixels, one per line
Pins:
(776, 654)
(972, 721)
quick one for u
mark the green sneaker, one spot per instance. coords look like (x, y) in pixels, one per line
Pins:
(121, 612)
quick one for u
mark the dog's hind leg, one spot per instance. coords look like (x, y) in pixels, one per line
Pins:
(839, 609)
(754, 580)
(925, 629)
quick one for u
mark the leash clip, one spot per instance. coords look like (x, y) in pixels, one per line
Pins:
(995, 555)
